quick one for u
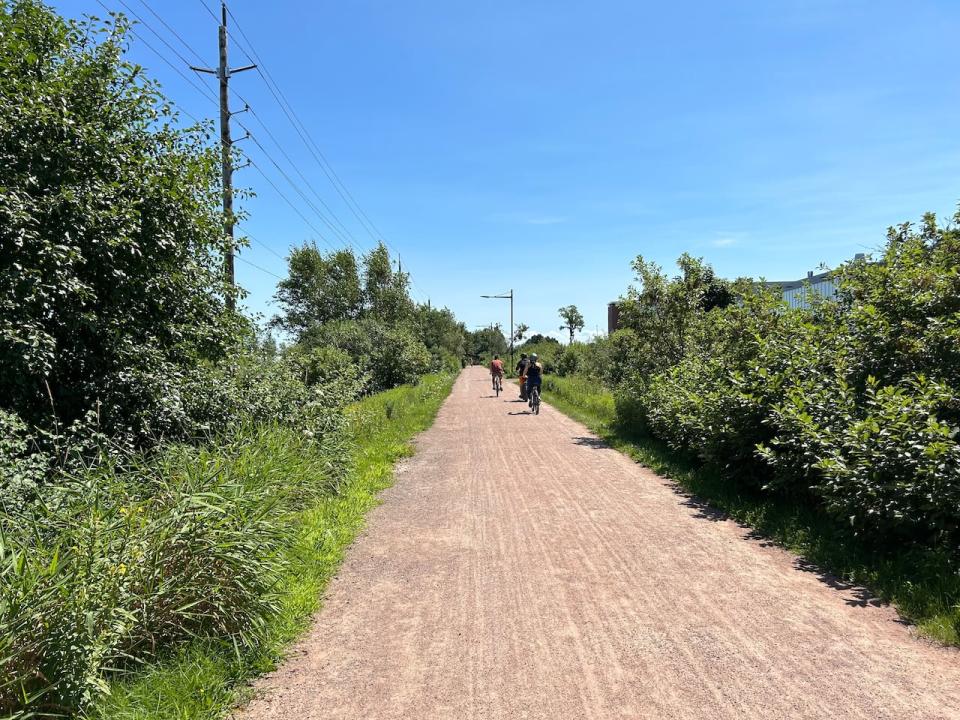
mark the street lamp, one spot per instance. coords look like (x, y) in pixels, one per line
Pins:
(506, 296)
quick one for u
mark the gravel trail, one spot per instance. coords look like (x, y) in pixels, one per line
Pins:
(518, 568)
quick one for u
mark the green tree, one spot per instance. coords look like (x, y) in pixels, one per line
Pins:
(572, 320)
(111, 248)
(444, 336)
(487, 342)
(665, 313)
(386, 292)
(319, 288)
(519, 332)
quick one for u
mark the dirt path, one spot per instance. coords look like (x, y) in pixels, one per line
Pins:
(519, 569)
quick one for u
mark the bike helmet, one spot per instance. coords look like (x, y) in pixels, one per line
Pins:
(533, 357)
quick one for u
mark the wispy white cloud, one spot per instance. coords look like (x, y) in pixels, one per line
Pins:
(724, 242)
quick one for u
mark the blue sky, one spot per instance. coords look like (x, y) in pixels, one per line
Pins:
(541, 146)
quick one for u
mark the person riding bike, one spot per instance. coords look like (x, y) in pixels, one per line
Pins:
(534, 376)
(522, 374)
(496, 371)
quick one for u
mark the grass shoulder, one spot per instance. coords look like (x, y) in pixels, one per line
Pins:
(205, 679)
(924, 586)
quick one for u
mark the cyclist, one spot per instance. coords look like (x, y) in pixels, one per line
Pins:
(496, 371)
(534, 376)
(522, 374)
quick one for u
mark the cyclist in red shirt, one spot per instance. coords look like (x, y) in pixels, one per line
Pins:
(496, 371)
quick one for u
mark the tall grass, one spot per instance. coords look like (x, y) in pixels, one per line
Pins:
(923, 585)
(206, 677)
(111, 567)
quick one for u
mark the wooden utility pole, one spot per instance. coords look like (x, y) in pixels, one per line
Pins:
(223, 72)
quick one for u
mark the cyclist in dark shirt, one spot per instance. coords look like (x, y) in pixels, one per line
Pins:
(534, 375)
(522, 374)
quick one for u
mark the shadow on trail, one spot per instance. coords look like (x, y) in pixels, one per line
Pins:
(591, 442)
(859, 596)
(854, 595)
(522, 412)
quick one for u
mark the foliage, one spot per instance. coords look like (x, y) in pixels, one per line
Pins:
(111, 567)
(363, 311)
(110, 276)
(851, 405)
(444, 336)
(538, 339)
(572, 320)
(548, 353)
(484, 343)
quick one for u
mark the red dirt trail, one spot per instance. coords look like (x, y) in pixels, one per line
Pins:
(520, 569)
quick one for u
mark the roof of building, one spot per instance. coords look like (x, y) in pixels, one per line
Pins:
(791, 284)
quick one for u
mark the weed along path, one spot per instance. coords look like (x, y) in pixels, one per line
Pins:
(520, 569)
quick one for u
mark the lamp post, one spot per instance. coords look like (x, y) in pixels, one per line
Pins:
(506, 296)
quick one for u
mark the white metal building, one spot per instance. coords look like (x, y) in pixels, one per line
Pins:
(800, 293)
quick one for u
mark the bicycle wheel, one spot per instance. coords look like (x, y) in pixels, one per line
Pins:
(536, 401)
(496, 385)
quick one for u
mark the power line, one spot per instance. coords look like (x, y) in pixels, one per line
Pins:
(159, 36)
(308, 141)
(291, 203)
(260, 243)
(296, 188)
(160, 55)
(187, 45)
(343, 231)
(254, 265)
(211, 12)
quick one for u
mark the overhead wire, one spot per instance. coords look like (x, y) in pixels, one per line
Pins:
(342, 232)
(211, 97)
(291, 203)
(260, 243)
(160, 55)
(261, 269)
(311, 145)
(310, 204)
(173, 31)
(212, 13)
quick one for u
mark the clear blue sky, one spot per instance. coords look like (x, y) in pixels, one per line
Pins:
(541, 146)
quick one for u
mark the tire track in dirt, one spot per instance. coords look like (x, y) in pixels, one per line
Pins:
(520, 569)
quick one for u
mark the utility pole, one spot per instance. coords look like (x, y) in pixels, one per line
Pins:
(223, 72)
(506, 296)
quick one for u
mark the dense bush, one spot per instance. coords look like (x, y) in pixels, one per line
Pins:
(548, 352)
(110, 274)
(852, 403)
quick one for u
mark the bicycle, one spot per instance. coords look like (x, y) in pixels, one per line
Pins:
(497, 384)
(535, 400)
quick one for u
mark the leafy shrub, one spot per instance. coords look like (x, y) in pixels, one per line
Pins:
(22, 466)
(110, 278)
(547, 352)
(850, 403)
(887, 463)
(254, 389)
(570, 360)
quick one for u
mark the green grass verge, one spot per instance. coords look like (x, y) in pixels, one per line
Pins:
(924, 586)
(205, 679)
